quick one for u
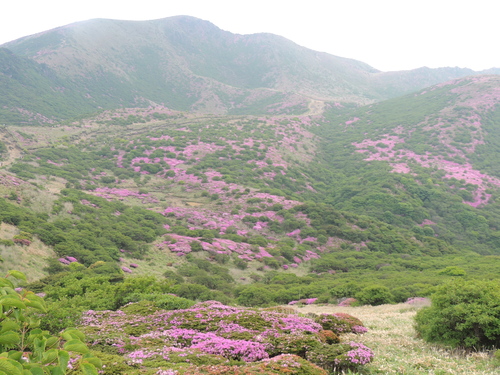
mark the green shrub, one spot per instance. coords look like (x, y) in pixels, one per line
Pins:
(297, 344)
(196, 246)
(375, 295)
(27, 349)
(162, 301)
(254, 296)
(463, 314)
(328, 337)
(453, 271)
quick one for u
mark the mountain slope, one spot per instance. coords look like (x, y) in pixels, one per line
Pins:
(303, 206)
(33, 93)
(189, 47)
(184, 63)
(423, 159)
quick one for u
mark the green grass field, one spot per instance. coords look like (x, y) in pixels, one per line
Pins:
(397, 348)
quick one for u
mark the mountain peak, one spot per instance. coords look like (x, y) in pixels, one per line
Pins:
(187, 63)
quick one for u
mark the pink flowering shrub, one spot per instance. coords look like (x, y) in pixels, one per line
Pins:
(64, 261)
(282, 364)
(341, 356)
(210, 332)
(341, 323)
(126, 269)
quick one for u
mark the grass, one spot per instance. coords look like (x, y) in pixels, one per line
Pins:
(397, 348)
(28, 259)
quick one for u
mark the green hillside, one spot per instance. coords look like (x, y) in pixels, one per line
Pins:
(156, 174)
(382, 192)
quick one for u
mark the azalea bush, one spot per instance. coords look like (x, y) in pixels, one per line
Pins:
(212, 334)
(341, 323)
(351, 356)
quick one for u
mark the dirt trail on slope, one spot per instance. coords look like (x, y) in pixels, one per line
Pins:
(316, 107)
(13, 150)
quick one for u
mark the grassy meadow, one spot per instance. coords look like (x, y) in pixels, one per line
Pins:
(397, 348)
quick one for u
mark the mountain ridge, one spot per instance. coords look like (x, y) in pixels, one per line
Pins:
(185, 63)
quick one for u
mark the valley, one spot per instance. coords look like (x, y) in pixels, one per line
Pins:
(172, 173)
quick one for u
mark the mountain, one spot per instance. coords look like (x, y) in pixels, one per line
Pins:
(184, 63)
(318, 198)
(148, 165)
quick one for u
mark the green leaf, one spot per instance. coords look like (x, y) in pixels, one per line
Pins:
(6, 283)
(89, 369)
(36, 371)
(94, 360)
(57, 371)
(76, 346)
(73, 333)
(10, 367)
(17, 274)
(51, 342)
(63, 359)
(9, 325)
(33, 322)
(36, 331)
(35, 305)
(9, 338)
(39, 347)
(49, 356)
(8, 301)
(15, 355)
(8, 290)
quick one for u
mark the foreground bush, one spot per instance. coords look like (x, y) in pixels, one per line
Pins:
(221, 337)
(463, 314)
(25, 348)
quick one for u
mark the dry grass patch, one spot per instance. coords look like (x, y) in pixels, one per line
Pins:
(28, 259)
(155, 263)
(398, 350)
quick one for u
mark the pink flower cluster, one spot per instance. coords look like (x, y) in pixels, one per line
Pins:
(68, 260)
(358, 355)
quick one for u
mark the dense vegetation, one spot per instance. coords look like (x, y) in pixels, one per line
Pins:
(275, 198)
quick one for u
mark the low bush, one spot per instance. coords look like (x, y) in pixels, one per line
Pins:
(463, 314)
(228, 339)
(375, 295)
(340, 357)
(340, 323)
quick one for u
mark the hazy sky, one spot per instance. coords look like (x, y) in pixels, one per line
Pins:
(386, 34)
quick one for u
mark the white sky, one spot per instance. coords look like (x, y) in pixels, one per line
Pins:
(386, 34)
